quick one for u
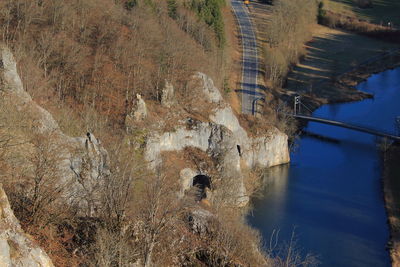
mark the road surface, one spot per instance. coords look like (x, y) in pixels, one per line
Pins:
(249, 82)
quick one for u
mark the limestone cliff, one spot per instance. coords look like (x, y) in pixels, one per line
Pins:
(16, 248)
(223, 139)
(82, 161)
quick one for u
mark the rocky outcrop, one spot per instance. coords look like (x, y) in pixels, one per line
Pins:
(137, 114)
(83, 162)
(16, 247)
(199, 220)
(224, 139)
(168, 95)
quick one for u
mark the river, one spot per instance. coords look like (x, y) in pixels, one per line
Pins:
(330, 195)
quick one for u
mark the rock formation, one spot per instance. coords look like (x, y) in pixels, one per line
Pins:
(224, 139)
(137, 114)
(16, 248)
(168, 95)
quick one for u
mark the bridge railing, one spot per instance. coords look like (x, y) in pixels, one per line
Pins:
(366, 129)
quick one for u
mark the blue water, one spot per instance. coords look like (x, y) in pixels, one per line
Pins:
(330, 195)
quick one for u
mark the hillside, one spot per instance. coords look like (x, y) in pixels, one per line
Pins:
(95, 56)
(119, 145)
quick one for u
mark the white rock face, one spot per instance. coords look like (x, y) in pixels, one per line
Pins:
(138, 113)
(222, 138)
(197, 137)
(83, 161)
(207, 85)
(16, 248)
(141, 110)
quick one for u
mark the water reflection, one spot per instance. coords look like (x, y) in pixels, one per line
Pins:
(275, 179)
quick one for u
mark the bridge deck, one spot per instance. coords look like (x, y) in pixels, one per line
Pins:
(348, 126)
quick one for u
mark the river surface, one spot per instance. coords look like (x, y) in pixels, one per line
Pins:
(330, 195)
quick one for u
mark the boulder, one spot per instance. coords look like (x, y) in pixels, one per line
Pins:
(200, 219)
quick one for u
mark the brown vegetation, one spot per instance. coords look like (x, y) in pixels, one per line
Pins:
(96, 55)
(287, 32)
(351, 22)
(335, 20)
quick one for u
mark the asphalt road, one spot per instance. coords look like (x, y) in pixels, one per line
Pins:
(249, 82)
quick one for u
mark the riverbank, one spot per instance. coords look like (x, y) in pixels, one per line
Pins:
(343, 87)
(335, 63)
(391, 188)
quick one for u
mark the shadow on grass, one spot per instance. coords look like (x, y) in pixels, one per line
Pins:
(330, 55)
(381, 11)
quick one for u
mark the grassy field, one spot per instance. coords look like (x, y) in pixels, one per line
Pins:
(382, 11)
(331, 53)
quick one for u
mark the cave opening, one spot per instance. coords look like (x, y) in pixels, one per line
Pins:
(239, 150)
(202, 182)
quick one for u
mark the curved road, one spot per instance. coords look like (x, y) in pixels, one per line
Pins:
(249, 82)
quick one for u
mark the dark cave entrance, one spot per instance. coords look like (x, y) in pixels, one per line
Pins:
(202, 182)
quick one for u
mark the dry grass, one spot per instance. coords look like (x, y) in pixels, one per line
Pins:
(331, 53)
(380, 12)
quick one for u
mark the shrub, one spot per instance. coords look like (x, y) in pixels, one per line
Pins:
(321, 13)
(172, 9)
(210, 12)
(130, 4)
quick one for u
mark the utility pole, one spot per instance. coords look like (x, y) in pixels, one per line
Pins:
(254, 105)
(398, 125)
(296, 104)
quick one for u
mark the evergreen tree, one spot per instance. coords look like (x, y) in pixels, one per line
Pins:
(172, 9)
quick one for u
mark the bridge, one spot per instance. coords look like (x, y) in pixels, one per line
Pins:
(296, 114)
